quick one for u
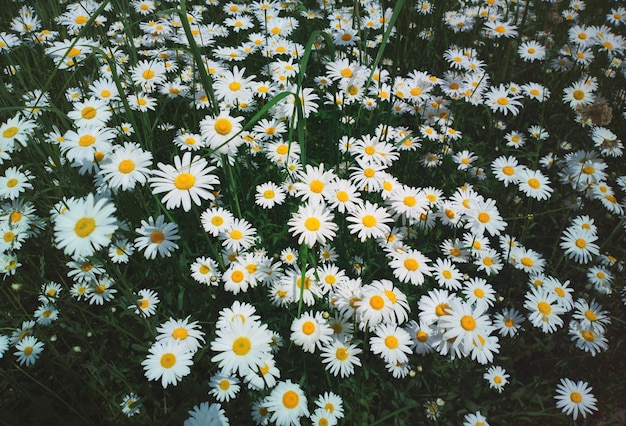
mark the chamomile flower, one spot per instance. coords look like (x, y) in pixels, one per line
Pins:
(190, 179)
(126, 166)
(207, 414)
(391, 342)
(188, 334)
(287, 404)
(221, 132)
(85, 226)
(483, 215)
(130, 404)
(579, 244)
(544, 309)
(497, 378)
(446, 274)
(313, 224)
(238, 235)
(157, 237)
(169, 361)
(241, 346)
(534, 184)
(147, 302)
(205, 271)
(224, 387)
(411, 266)
(575, 398)
(216, 220)
(28, 350)
(369, 221)
(92, 112)
(310, 331)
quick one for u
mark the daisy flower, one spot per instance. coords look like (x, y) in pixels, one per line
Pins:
(14, 182)
(241, 346)
(28, 350)
(575, 398)
(483, 215)
(238, 235)
(188, 334)
(332, 403)
(220, 133)
(224, 387)
(497, 377)
(188, 180)
(86, 141)
(120, 250)
(205, 271)
(591, 315)
(101, 290)
(85, 226)
(475, 419)
(465, 325)
(499, 99)
(157, 237)
(534, 184)
(411, 266)
(313, 184)
(340, 358)
(216, 220)
(369, 221)
(479, 292)
(146, 303)
(126, 166)
(322, 417)
(207, 414)
(391, 342)
(130, 405)
(578, 94)
(313, 224)
(579, 244)
(15, 129)
(92, 112)
(343, 196)
(310, 331)
(589, 340)
(506, 169)
(168, 361)
(531, 51)
(422, 336)
(287, 403)
(498, 29)
(544, 309)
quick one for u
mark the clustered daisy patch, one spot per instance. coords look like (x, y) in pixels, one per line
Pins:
(271, 206)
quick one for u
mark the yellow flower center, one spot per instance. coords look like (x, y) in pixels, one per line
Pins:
(312, 224)
(148, 74)
(392, 342)
(242, 345)
(503, 101)
(369, 221)
(84, 226)
(12, 182)
(184, 181)
(483, 217)
(421, 336)
(89, 112)
(341, 354)
(10, 132)
(534, 183)
(180, 333)
(168, 360)
(234, 86)
(316, 186)
(157, 237)
(544, 308)
(126, 166)
(508, 170)
(291, 399)
(468, 323)
(237, 276)
(576, 397)
(86, 140)
(411, 264)
(346, 73)
(578, 94)
(377, 302)
(223, 126)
